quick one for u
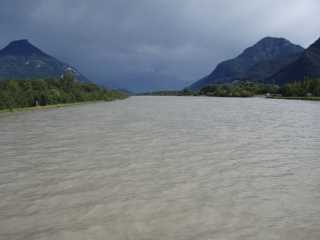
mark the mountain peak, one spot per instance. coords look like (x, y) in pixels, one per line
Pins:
(21, 48)
(269, 39)
(271, 47)
(22, 60)
(306, 66)
(255, 63)
(21, 41)
(274, 42)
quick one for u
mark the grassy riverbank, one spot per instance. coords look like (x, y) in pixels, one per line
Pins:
(53, 106)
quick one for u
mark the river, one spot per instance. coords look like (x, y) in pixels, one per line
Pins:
(162, 168)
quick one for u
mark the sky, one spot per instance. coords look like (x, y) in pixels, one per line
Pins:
(144, 45)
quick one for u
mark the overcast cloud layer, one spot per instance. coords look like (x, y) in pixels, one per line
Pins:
(147, 44)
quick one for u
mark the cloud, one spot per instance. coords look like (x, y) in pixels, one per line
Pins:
(146, 44)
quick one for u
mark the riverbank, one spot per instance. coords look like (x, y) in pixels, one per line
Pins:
(53, 106)
(253, 96)
(296, 98)
(16, 94)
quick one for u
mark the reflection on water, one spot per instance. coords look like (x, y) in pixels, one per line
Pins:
(162, 168)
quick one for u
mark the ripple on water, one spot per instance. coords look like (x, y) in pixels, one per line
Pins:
(162, 168)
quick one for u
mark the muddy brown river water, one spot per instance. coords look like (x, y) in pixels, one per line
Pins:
(162, 168)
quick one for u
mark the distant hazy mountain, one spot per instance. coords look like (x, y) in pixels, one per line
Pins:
(21, 60)
(256, 63)
(306, 66)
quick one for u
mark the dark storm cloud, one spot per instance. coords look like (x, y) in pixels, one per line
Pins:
(146, 44)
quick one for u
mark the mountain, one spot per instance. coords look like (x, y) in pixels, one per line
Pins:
(306, 66)
(21, 60)
(256, 63)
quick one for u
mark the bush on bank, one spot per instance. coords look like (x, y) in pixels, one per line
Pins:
(28, 93)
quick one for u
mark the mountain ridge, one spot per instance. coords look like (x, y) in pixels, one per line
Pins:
(306, 66)
(21, 48)
(22, 60)
(257, 62)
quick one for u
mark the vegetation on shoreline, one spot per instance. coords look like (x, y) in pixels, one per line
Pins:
(184, 92)
(43, 92)
(296, 98)
(305, 90)
(53, 106)
(309, 88)
(243, 89)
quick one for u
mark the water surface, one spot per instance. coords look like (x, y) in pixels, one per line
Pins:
(176, 168)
